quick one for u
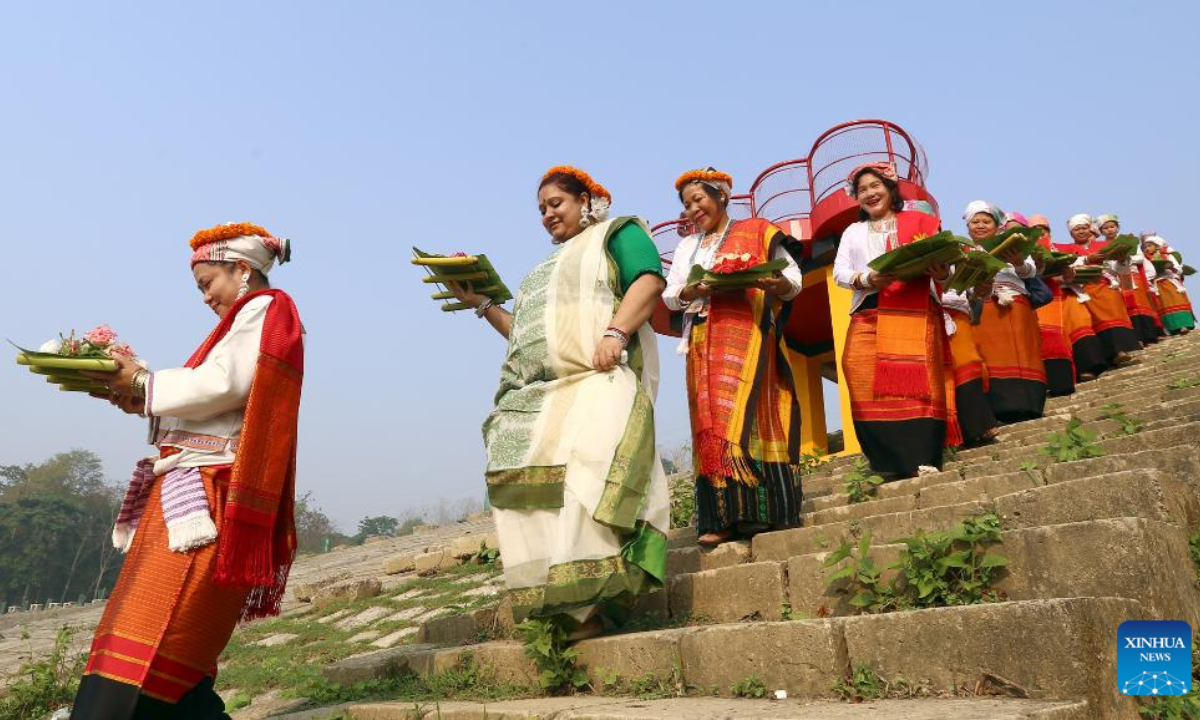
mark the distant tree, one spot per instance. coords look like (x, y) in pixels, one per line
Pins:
(382, 526)
(56, 523)
(313, 526)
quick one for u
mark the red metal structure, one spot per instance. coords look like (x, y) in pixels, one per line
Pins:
(805, 198)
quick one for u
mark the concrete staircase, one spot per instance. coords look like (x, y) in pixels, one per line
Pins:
(1090, 544)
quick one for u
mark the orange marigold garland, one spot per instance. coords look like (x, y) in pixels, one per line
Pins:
(595, 189)
(709, 175)
(226, 232)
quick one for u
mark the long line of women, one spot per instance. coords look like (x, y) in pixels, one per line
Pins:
(991, 354)
(573, 474)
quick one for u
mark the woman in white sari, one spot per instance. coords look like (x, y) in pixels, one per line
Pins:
(574, 478)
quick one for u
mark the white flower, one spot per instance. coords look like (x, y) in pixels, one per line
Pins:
(51, 346)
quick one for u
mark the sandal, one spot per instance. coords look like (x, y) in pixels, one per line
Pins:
(713, 539)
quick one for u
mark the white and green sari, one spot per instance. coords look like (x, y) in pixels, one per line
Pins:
(574, 478)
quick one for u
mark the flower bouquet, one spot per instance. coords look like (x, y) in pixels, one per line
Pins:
(461, 268)
(911, 261)
(979, 267)
(63, 359)
(732, 271)
(1021, 239)
(1120, 247)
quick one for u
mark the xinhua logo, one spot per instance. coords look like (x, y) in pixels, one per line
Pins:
(1154, 657)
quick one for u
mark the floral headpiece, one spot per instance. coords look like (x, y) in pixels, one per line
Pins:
(240, 241)
(595, 189)
(885, 169)
(599, 198)
(710, 176)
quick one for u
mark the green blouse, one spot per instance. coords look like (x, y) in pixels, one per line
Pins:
(635, 254)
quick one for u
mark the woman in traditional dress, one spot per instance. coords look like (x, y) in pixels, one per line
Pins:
(1056, 346)
(574, 479)
(1105, 305)
(896, 361)
(1135, 276)
(741, 395)
(1007, 335)
(207, 523)
(1174, 306)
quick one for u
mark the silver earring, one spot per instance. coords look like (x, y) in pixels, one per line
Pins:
(244, 288)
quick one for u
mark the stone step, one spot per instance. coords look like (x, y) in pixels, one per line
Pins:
(1060, 649)
(1178, 464)
(1070, 508)
(589, 707)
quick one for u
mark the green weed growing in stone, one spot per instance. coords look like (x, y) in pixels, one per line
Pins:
(682, 489)
(935, 569)
(863, 683)
(952, 567)
(1194, 547)
(748, 687)
(861, 482)
(1074, 444)
(1184, 383)
(1030, 468)
(870, 592)
(1114, 411)
(546, 644)
(46, 684)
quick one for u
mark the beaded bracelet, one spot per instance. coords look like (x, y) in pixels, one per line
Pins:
(618, 333)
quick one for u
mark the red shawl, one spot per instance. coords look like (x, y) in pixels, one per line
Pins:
(257, 539)
(900, 369)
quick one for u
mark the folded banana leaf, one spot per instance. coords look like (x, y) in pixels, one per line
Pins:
(978, 267)
(1120, 246)
(911, 261)
(476, 269)
(1177, 255)
(1088, 273)
(734, 280)
(1022, 239)
(1057, 262)
(1161, 266)
(52, 361)
(1188, 270)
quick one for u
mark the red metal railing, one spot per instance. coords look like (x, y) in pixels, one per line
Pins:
(842, 148)
(782, 192)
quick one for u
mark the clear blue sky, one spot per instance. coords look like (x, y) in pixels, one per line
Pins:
(359, 129)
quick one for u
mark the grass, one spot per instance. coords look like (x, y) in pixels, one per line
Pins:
(294, 668)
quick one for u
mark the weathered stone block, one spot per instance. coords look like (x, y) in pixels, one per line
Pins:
(804, 658)
(754, 591)
(348, 591)
(402, 563)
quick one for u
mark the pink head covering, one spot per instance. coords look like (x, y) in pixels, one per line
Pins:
(885, 169)
(1036, 220)
(1017, 218)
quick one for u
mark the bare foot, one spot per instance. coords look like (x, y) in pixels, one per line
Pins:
(1122, 358)
(589, 629)
(1087, 377)
(714, 539)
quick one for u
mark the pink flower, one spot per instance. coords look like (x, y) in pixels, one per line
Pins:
(102, 335)
(121, 349)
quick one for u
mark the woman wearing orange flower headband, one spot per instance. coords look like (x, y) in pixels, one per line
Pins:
(208, 523)
(745, 416)
(574, 479)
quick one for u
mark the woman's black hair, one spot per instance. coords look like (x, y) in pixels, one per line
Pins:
(718, 197)
(892, 186)
(567, 183)
(231, 267)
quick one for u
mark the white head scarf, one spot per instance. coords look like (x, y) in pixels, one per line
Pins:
(983, 206)
(259, 252)
(1077, 220)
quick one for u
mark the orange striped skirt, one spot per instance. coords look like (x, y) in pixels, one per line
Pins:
(1010, 343)
(1175, 308)
(166, 622)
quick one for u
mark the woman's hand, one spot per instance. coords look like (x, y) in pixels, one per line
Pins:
(939, 272)
(608, 354)
(131, 405)
(1068, 274)
(119, 381)
(695, 292)
(1013, 257)
(984, 289)
(878, 281)
(1095, 259)
(465, 293)
(777, 285)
